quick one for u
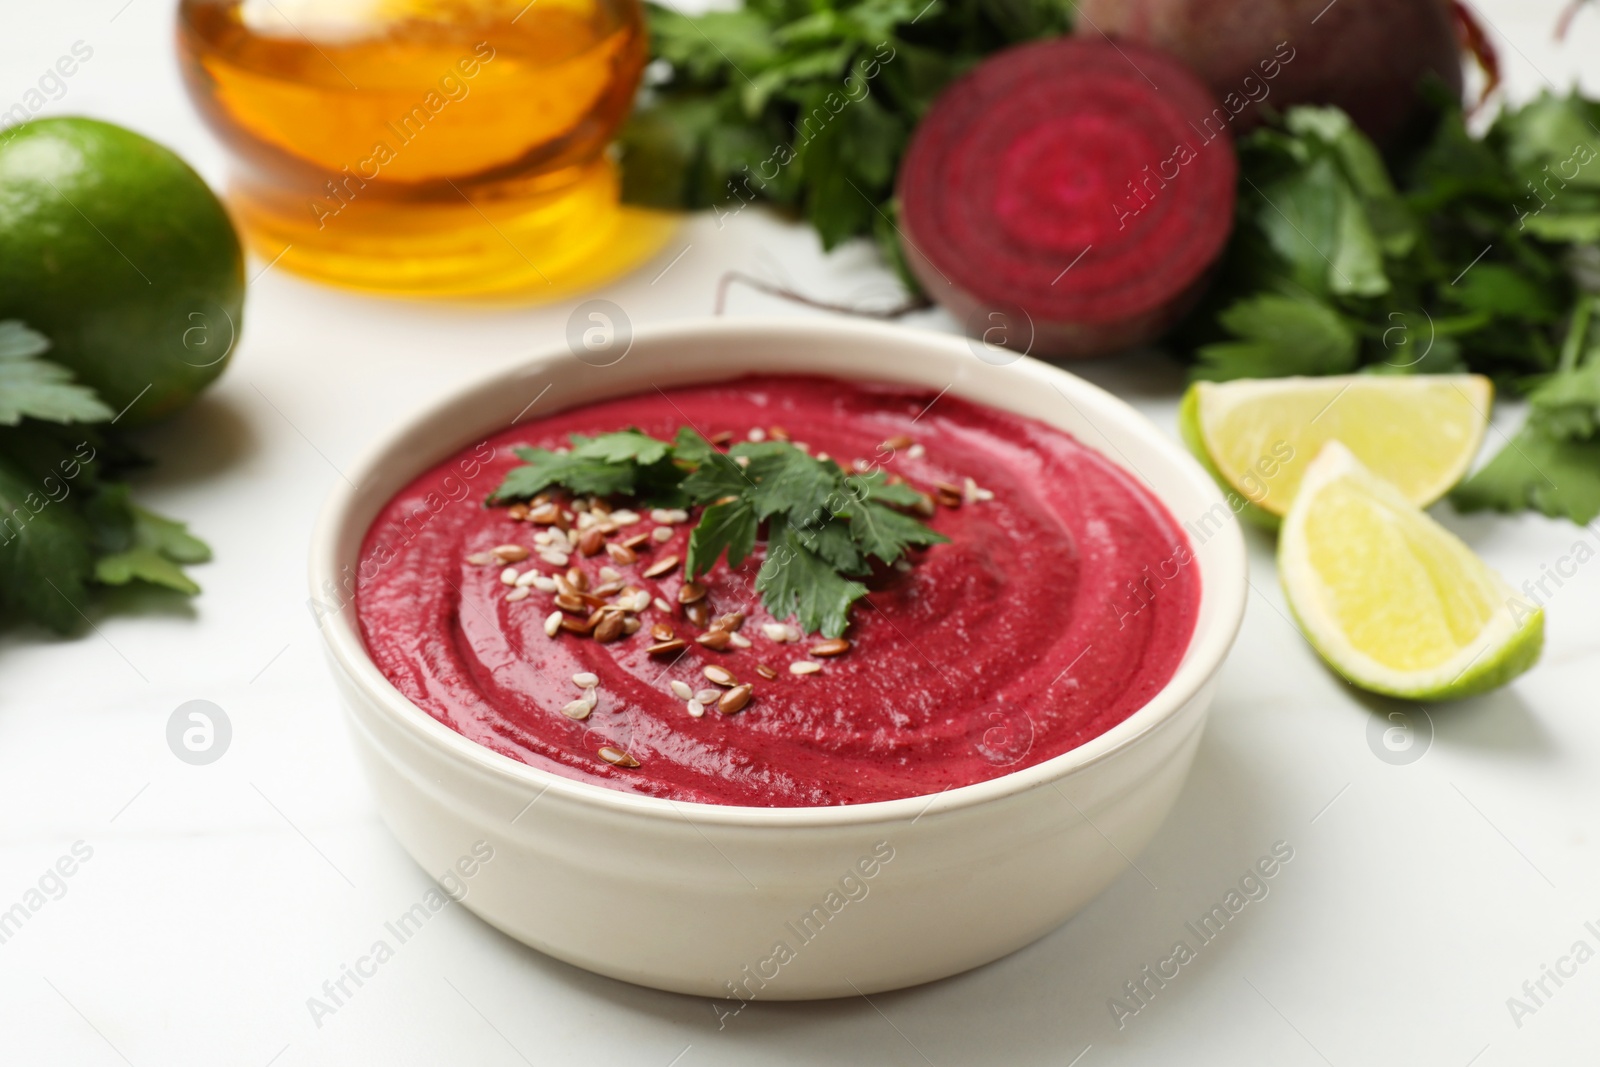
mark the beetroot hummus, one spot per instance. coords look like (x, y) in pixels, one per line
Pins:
(1061, 603)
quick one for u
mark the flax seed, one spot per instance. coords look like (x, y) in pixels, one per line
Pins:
(621, 554)
(609, 628)
(662, 648)
(591, 542)
(617, 758)
(833, 646)
(659, 567)
(720, 675)
(691, 593)
(716, 639)
(734, 700)
(766, 671)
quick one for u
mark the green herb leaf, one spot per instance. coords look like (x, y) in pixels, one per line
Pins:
(45, 556)
(1280, 335)
(730, 528)
(874, 485)
(795, 581)
(1538, 471)
(37, 388)
(790, 481)
(716, 477)
(885, 534)
(621, 447)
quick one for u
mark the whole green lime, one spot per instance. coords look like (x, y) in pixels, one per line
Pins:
(112, 247)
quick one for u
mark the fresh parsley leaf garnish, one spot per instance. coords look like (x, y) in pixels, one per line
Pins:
(67, 522)
(37, 388)
(1537, 471)
(729, 528)
(795, 581)
(822, 524)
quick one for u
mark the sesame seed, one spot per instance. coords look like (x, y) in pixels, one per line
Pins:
(552, 624)
(696, 709)
(555, 557)
(708, 696)
(681, 689)
(579, 709)
(509, 576)
(519, 593)
(661, 605)
(624, 517)
(916, 451)
(804, 666)
(757, 434)
(661, 534)
(585, 679)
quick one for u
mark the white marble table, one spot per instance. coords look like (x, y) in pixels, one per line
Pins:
(215, 900)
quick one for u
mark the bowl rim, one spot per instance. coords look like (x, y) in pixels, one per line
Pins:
(1224, 578)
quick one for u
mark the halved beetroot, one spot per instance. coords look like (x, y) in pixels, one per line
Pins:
(1086, 184)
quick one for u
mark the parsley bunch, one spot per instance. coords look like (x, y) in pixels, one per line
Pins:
(1474, 254)
(823, 527)
(67, 523)
(806, 104)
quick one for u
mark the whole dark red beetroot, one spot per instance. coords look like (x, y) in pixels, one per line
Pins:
(1366, 56)
(1072, 191)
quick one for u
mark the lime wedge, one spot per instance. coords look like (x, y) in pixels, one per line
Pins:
(1418, 432)
(1391, 599)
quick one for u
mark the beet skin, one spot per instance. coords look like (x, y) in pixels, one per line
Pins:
(1368, 57)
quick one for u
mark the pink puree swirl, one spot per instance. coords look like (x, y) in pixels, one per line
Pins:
(1057, 610)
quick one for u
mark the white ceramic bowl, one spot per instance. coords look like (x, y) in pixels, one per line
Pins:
(698, 898)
